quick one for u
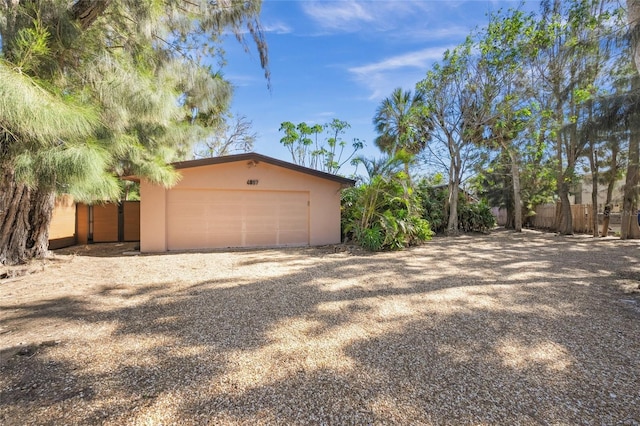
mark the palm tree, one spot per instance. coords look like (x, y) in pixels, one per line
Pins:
(401, 124)
(385, 166)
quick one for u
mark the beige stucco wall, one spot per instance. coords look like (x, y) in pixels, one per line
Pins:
(324, 198)
(63, 219)
(153, 226)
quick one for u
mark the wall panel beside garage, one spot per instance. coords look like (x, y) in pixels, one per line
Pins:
(62, 230)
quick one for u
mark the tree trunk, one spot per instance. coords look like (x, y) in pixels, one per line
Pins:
(517, 202)
(87, 11)
(593, 163)
(633, 17)
(629, 223)
(564, 221)
(452, 226)
(594, 208)
(629, 228)
(612, 177)
(605, 222)
(454, 185)
(509, 224)
(25, 215)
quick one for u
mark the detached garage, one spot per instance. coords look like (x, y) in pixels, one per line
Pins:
(245, 200)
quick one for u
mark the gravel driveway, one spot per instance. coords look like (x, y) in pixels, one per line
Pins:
(506, 328)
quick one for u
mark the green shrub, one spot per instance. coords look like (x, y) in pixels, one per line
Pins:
(384, 214)
(472, 217)
(370, 239)
(475, 217)
(433, 201)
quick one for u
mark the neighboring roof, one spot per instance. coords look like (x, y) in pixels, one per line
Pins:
(252, 156)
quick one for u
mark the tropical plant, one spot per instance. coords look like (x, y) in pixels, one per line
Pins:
(476, 217)
(301, 140)
(384, 214)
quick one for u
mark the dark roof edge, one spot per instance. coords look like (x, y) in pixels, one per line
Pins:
(259, 157)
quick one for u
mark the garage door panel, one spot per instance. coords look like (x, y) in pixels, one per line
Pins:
(216, 218)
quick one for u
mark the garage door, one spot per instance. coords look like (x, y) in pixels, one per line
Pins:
(214, 218)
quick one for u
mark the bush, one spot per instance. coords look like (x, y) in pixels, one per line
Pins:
(433, 201)
(384, 214)
(472, 217)
(475, 217)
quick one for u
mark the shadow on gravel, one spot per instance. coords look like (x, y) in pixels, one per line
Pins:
(483, 329)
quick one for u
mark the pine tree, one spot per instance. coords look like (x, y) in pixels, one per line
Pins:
(94, 90)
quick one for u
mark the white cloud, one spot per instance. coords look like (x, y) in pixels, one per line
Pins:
(354, 15)
(418, 59)
(277, 28)
(337, 15)
(381, 77)
(241, 80)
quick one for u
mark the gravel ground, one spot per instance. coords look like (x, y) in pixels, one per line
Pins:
(506, 328)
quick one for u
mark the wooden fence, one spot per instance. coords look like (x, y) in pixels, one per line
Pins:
(545, 217)
(108, 223)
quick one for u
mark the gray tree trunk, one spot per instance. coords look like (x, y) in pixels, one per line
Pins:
(629, 226)
(613, 173)
(595, 175)
(517, 201)
(454, 185)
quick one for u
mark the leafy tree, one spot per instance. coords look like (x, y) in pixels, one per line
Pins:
(96, 89)
(453, 110)
(332, 154)
(607, 133)
(301, 141)
(504, 47)
(568, 69)
(296, 139)
(537, 178)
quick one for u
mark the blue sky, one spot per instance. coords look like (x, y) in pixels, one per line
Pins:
(339, 59)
